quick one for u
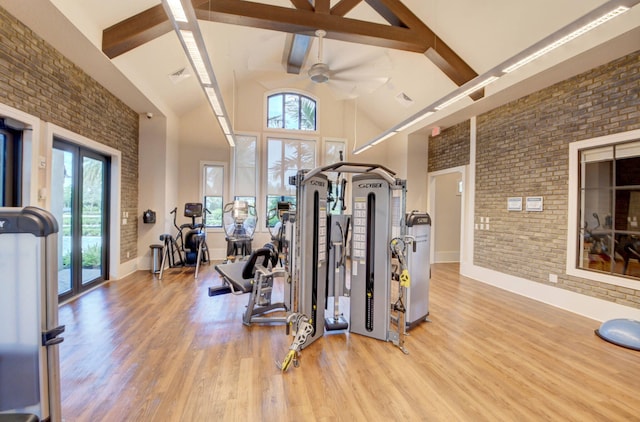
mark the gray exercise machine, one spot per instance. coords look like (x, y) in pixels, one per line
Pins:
(240, 221)
(338, 247)
(310, 250)
(314, 265)
(30, 334)
(419, 266)
(189, 247)
(255, 276)
(378, 217)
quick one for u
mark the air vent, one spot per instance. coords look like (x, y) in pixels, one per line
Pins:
(179, 76)
(404, 99)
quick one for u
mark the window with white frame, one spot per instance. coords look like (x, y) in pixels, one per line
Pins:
(284, 158)
(213, 193)
(607, 201)
(246, 167)
(291, 111)
(334, 151)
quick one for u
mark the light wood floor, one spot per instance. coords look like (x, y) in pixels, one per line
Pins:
(140, 349)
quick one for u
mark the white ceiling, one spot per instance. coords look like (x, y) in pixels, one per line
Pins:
(483, 33)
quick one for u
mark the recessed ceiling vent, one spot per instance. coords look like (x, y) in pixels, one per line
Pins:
(404, 99)
(179, 76)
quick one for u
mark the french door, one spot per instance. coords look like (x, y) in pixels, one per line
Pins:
(79, 200)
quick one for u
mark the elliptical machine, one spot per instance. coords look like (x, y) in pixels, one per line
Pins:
(189, 247)
(240, 221)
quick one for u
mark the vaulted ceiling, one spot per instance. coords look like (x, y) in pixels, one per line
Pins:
(393, 57)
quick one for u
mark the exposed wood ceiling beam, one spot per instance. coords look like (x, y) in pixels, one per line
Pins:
(387, 14)
(343, 7)
(300, 44)
(322, 6)
(303, 5)
(259, 15)
(153, 22)
(135, 31)
(413, 35)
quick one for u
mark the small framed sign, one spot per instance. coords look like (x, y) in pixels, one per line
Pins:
(514, 203)
(534, 203)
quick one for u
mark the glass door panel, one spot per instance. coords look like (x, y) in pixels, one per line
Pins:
(61, 205)
(79, 201)
(93, 182)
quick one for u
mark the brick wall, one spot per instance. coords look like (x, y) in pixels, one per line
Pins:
(522, 150)
(450, 148)
(37, 79)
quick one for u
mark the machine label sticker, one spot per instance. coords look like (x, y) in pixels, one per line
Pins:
(322, 234)
(370, 185)
(359, 238)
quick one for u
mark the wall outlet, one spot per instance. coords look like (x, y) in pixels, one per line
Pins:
(553, 278)
(128, 254)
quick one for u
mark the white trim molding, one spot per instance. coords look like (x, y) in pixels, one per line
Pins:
(572, 218)
(116, 268)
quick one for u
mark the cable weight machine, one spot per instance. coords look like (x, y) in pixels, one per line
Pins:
(378, 218)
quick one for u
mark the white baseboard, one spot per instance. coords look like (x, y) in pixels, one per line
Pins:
(127, 268)
(590, 307)
(447, 256)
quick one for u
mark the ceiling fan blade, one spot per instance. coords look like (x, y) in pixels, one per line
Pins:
(377, 80)
(273, 80)
(380, 61)
(350, 88)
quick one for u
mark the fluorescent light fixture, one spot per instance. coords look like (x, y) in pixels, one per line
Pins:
(568, 33)
(213, 99)
(364, 148)
(193, 44)
(575, 34)
(414, 121)
(466, 92)
(177, 10)
(196, 57)
(224, 125)
(385, 137)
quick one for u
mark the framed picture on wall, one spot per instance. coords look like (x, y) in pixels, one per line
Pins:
(534, 203)
(514, 203)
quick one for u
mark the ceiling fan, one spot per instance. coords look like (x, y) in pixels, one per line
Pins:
(319, 72)
(359, 73)
(350, 72)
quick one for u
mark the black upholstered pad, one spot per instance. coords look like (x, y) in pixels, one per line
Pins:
(232, 272)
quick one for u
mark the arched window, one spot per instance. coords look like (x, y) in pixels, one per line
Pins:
(291, 111)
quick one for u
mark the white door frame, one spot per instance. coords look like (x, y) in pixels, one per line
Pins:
(431, 209)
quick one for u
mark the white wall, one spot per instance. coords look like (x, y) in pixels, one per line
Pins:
(417, 161)
(447, 218)
(154, 183)
(200, 139)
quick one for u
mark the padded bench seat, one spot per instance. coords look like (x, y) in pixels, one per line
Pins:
(232, 273)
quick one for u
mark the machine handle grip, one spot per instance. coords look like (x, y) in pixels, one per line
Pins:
(50, 337)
